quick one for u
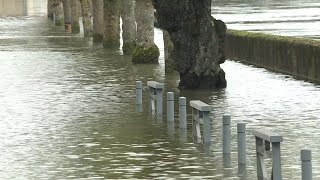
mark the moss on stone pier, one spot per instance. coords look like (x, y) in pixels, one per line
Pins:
(146, 55)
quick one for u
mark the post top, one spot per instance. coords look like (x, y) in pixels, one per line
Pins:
(305, 155)
(241, 127)
(138, 84)
(182, 101)
(155, 84)
(226, 119)
(199, 105)
(268, 135)
(170, 96)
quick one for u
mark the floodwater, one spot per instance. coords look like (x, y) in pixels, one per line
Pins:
(300, 18)
(67, 109)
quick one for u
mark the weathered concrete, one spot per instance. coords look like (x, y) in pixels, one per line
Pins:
(111, 36)
(197, 38)
(299, 57)
(97, 8)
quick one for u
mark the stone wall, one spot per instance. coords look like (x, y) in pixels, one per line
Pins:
(298, 57)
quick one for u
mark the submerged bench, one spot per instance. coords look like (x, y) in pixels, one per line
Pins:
(156, 93)
(201, 115)
(263, 139)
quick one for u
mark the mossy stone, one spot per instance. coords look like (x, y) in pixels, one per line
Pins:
(128, 48)
(146, 55)
(75, 28)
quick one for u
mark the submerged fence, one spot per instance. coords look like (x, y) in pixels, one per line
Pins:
(266, 140)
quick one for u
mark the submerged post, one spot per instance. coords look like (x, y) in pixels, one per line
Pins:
(201, 115)
(242, 145)
(226, 120)
(183, 113)
(170, 106)
(138, 93)
(306, 165)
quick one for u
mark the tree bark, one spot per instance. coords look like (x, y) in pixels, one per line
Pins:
(97, 6)
(86, 18)
(198, 41)
(74, 4)
(168, 47)
(111, 36)
(146, 51)
(66, 12)
(57, 11)
(128, 26)
(50, 10)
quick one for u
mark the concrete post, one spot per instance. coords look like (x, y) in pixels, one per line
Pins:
(226, 134)
(151, 101)
(206, 127)
(138, 93)
(242, 144)
(276, 161)
(170, 107)
(306, 165)
(159, 102)
(182, 113)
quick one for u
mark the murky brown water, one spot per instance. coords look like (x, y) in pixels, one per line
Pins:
(67, 111)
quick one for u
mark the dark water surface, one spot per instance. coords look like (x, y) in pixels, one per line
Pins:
(67, 111)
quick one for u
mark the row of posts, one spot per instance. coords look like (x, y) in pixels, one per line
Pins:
(306, 164)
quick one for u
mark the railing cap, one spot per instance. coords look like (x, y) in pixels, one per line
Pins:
(201, 106)
(155, 84)
(268, 135)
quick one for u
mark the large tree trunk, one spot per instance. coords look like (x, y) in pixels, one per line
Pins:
(198, 41)
(57, 11)
(128, 26)
(75, 16)
(111, 36)
(90, 6)
(146, 51)
(66, 12)
(168, 47)
(86, 18)
(97, 6)
(50, 9)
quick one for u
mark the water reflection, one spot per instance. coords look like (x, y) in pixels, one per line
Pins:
(299, 18)
(22, 7)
